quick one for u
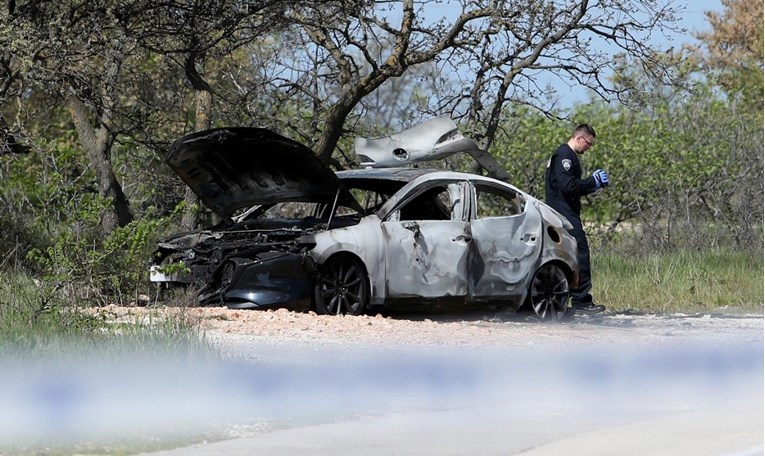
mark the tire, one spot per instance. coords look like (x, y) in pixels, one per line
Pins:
(341, 287)
(549, 293)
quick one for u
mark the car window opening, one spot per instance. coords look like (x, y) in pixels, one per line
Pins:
(433, 204)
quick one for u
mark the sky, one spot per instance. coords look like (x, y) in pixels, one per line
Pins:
(693, 20)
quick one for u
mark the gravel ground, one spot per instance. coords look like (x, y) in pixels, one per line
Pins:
(477, 329)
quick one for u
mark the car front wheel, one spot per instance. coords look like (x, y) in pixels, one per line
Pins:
(549, 293)
(341, 287)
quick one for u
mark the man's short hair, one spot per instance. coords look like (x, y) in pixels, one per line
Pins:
(583, 129)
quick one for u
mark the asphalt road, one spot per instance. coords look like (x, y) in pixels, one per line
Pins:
(295, 385)
(687, 393)
(489, 431)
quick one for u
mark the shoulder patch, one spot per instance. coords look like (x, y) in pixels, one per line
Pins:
(566, 164)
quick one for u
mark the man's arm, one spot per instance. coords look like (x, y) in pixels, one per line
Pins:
(570, 185)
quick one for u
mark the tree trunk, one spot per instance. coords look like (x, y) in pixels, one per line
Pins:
(191, 215)
(97, 142)
(330, 133)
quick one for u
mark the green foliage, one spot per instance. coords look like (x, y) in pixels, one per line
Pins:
(734, 49)
(51, 222)
(64, 257)
(46, 193)
(121, 262)
(527, 141)
(101, 271)
(45, 182)
(679, 165)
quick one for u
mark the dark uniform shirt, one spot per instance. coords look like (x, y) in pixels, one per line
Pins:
(564, 186)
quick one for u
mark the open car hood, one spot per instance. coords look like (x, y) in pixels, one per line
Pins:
(232, 168)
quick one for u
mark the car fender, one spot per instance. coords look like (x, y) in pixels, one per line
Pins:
(362, 240)
(557, 243)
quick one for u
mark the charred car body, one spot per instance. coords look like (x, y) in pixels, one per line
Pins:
(297, 234)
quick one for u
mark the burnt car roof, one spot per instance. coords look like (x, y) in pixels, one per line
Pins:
(397, 174)
(231, 168)
(384, 180)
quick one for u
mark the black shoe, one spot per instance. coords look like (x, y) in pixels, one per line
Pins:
(588, 309)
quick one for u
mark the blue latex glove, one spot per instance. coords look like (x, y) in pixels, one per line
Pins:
(601, 178)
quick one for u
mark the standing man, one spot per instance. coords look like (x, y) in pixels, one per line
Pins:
(564, 188)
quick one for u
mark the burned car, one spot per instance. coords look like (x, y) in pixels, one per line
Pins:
(295, 233)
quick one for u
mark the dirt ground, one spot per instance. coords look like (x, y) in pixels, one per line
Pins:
(485, 328)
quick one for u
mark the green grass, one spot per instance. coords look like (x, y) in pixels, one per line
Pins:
(713, 281)
(42, 329)
(41, 322)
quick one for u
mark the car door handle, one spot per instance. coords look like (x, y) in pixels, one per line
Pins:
(463, 237)
(410, 226)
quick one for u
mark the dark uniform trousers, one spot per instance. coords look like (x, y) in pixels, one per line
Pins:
(581, 294)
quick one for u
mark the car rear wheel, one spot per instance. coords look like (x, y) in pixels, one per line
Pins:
(341, 287)
(549, 293)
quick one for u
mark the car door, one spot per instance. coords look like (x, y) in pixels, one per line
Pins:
(427, 240)
(507, 242)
